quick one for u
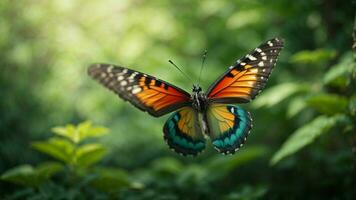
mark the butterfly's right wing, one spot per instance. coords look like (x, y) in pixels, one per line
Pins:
(146, 92)
(183, 133)
(248, 76)
(228, 127)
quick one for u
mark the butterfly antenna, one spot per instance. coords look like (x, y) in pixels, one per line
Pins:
(180, 70)
(202, 64)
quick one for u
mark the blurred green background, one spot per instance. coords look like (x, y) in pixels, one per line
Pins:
(303, 143)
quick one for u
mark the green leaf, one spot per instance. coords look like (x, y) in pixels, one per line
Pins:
(313, 57)
(328, 103)
(278, 93)
(93, 132)
(304, 136)
(78, 133)
(27, 175)
(338, 74)
(58, 148)
(69, 131)
(295, 106)
(22, 175)
(48, 169)
(89, 154)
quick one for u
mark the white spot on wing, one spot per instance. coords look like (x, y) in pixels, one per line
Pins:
(258, 50)
(120, 78)
(264, 57)
(260, 64)
(136, 90)
(123, 83)
(109, 69)
(270, 43)
(251, 57)
(232, 109)
(133, 75)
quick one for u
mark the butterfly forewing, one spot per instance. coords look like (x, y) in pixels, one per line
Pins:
(244, 80)
(146, 92)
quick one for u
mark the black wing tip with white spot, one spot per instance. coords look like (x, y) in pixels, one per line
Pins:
(278, 41)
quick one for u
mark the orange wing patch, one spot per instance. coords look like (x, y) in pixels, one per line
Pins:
(186, 122)
(158, 95)
(238, 83)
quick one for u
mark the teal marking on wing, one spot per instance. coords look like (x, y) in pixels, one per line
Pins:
(184, 143)
(230, 140)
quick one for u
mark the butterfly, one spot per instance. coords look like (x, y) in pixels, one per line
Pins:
(213, 114)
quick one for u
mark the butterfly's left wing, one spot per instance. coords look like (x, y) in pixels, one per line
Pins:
(146, 92)
(244, 80)
(228, 127)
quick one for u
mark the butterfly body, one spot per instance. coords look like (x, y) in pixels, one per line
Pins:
(199, 99)
(212, 114)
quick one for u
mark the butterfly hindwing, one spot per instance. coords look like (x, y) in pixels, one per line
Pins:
(146, 92)
(182, 132)
(228, 127)
(244, 80)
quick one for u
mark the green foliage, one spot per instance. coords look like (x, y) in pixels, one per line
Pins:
(69, 149)
(338, 107)
(305, 135)
(338, 74)
(58, 148)
(112, 180)
(32, 176)
(276, 94)
(80, 133)
(313, 57)
(227, 165)
(328, 103)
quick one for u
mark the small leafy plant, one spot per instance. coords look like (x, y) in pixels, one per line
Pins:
(76, 153)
